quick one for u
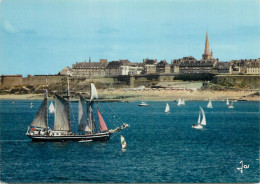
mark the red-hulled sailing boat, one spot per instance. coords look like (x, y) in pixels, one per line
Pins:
(39, 130)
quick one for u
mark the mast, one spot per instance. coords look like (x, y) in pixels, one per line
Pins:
(68, 96)
(46, 109)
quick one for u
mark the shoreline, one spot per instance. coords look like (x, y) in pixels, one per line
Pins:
(154, 95)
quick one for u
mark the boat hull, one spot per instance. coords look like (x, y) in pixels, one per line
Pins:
(197, 126)
(70, 138)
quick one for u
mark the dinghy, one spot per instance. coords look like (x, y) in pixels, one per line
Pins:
(201, 123)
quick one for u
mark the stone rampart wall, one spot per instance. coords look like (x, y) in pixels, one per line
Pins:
(9, 81)
(243, 81)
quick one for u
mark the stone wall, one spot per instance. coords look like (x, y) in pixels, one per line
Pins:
(243, 81)
(8, 81)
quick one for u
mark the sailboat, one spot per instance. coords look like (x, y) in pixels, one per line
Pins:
(167, 108)
(181, 102)
(31, 106)
(143, 104)
(227, 102)
(209, 104)
(87, 130)
(123, 143)
(51, 108)
(202, 122)
(231, 106)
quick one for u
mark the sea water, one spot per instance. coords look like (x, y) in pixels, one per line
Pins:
(160, 147)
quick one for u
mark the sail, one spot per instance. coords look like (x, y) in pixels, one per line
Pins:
(94, 94)
(203, 121)
(183, 102)
(84, 121)
(227, 102)
(199, 118)
(62, 114)
(123, 142)
(209, 104)
(40, 120)
(102, 124)
(51, 108)
(179, 102)
(167, 108)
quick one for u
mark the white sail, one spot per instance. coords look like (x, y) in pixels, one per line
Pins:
(123, 142)
(40, 120)
(84, 121)
(199, 118)
(183, 102)
(167, 108)
(179, 102)
(51, 108)
(227, 102)
(231, 105)
(209, 104)
(62, 114)
(203, 121)
(94, 94)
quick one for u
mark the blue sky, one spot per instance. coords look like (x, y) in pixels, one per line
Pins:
(45, 36)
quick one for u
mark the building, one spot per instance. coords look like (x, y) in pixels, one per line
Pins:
(245, 66)
(221, 68)
(90, 69)
(121, 67)
(149, 66)
(188, 65)
(163, 67)
(65, 71)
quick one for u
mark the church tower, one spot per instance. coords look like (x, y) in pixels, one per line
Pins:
(207, 54)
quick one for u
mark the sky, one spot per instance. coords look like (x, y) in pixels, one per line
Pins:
(45, 36)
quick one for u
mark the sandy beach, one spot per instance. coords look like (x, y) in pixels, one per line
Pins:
(155, 95)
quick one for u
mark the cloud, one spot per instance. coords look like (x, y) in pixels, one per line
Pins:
(8, 27)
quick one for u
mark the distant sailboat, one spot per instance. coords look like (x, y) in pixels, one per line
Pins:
(123, 143)
(227, 102)
(167, 108)
(209, 104)
(231, 106)
(31, 105)
(51, 108)
(202, 122)
(143, 104)
(181, 102)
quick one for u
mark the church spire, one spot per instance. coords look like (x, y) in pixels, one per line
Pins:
(207, 54)
(207, 51)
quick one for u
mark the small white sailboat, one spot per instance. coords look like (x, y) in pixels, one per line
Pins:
(123, 143)
(209, 104)
(31, 106)
(143, 104)
(202, 122)
(51, 108)
(227, 102)
(231, 106)
(181, 102)
(167, 108)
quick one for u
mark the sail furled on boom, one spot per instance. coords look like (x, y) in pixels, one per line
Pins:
(40, 120)
(102, 124)
(62, 114)
(94, 94)
(84, 120)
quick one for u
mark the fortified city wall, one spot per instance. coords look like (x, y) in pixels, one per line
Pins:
(243, 81)
(80, 83)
